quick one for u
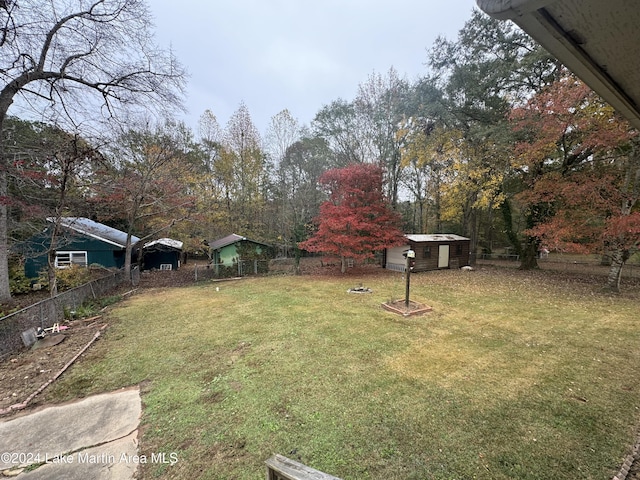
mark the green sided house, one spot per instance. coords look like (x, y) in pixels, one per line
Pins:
(83, 242)
(235, 249)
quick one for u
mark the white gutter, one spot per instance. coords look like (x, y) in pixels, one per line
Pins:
(510, 9)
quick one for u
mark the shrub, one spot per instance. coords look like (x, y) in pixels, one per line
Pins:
(72, 277)
(67, 278)
(19, 283)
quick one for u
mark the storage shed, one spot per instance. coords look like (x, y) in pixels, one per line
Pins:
(162, 254)
(227, 250)
(83, 242)
(433, 252)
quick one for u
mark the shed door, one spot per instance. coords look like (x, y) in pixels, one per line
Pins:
(443, 256)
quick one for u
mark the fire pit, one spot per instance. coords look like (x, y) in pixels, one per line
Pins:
(360, 289)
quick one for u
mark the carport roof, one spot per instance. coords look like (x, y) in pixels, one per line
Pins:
(597, 40)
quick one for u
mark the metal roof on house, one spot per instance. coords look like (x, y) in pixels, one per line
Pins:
(435, 237)
(102, 232)
(597, 40)
(223, 242)
(229, 239)
(167, 242)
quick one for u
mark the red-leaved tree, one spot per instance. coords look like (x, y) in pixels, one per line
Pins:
(356, 221)
(581, 164)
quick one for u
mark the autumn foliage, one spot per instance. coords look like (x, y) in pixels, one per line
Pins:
(581, 167)
(356, 221)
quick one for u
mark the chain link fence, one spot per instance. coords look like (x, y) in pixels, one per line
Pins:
(593, 267)
(46, 313)
(242, 268)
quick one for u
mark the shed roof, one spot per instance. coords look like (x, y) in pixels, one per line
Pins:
(595, 39)
(223, 242)
(167, 242)
(102, 232)
(436, 237)
(230, 239)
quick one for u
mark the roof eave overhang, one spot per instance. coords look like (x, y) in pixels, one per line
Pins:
(535, 19)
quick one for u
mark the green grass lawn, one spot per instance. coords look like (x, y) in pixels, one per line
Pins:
(512, 376)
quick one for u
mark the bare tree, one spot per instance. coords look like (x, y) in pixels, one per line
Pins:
(379, 103)
(70, 158)
(147, 185)
(246, 164)
(82, 60)
(283, 131)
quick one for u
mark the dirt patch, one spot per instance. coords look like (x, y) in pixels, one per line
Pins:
(26, 371)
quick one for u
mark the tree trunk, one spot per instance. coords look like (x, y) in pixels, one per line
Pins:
(298, 236)
(5, 289)
(438, 214)
(529, 257)
(618, 259)
(127, 258)
(51, 274)
(343, 264)
(51, 263)
(422, 222)
(472, 233)
(296, 264)
(507, 216)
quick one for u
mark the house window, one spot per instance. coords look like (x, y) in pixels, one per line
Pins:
(67, 259)
(426, 253)
(458, 250)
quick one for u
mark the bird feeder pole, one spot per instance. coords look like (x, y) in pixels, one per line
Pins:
(411, 255)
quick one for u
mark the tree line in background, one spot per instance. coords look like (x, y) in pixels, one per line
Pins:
(498, 142)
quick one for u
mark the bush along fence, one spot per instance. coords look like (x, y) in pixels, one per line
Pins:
(46, 313)
(236, 269)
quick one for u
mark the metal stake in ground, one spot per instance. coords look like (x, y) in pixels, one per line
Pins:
(410, 255)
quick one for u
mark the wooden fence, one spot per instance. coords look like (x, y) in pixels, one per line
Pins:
(283, 468)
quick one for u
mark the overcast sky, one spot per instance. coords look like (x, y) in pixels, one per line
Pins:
(296, 54)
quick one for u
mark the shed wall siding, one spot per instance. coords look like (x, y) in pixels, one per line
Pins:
(395, 257)
(153, 260)
(228, 255)
(429, 261)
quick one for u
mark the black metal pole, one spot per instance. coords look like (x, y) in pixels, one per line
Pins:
(407, 276)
